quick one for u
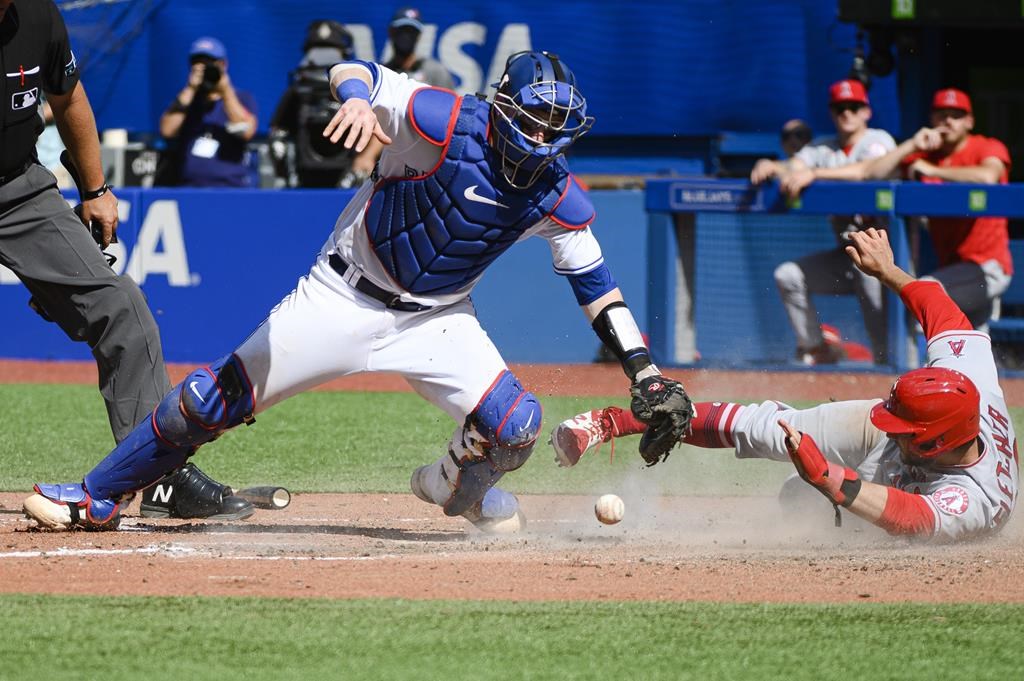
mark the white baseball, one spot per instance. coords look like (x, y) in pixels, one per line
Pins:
(609, 509)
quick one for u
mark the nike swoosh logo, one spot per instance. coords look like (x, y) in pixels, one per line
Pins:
(192, 387)
(471, 194)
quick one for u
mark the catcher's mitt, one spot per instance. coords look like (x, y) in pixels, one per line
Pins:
(665, 407)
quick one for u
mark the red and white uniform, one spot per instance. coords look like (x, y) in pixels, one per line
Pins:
(949, 503)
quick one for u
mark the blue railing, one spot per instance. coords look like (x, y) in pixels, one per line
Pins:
(707, 197)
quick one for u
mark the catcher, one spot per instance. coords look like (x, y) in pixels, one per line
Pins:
(937, 459)
(461, 180)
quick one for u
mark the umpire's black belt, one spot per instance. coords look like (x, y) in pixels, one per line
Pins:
(15, 172)
(364, 285)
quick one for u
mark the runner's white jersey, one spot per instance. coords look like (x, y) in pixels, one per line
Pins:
(826, 152)
(966, 500)
(573, 251)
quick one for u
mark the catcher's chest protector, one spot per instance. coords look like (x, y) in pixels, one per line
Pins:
(436, 233)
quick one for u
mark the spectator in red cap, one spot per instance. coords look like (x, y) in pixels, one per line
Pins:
(831, 271)
(975, 265)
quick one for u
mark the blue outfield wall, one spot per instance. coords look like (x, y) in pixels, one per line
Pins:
(214, 262)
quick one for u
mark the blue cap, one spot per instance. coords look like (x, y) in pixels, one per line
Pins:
(208, 47)
(407, 16)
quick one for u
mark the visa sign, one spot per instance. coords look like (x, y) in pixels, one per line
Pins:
(159, 250)
(450, 49)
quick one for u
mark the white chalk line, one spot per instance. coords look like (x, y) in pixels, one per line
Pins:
(178, 552)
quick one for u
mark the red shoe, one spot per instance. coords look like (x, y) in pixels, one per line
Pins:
(574, 437)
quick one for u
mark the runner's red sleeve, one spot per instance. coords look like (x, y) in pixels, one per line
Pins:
(906, 513)
(935, 310)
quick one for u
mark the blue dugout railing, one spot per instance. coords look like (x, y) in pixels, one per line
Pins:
(666, 198)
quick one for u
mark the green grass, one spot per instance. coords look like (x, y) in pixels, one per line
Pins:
(187, 638)
(371, 442)
(344, 442)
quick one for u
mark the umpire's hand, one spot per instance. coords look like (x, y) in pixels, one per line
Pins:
(103, 211)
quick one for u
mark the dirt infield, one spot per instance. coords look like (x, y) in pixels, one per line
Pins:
(667, 549)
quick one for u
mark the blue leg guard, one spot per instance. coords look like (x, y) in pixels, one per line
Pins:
(209, 401)
(509, 420)
(503, 428)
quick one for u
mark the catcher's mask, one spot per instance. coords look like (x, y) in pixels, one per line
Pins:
(938, 406)
(536, 94)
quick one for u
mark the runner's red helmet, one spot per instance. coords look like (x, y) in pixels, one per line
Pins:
(939, 406)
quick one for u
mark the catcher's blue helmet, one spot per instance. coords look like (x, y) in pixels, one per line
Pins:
(537, 113)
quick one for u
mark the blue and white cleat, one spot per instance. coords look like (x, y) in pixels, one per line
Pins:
(497, 513)
(69, 506)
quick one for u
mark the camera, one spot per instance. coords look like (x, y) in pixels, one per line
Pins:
(211, 75)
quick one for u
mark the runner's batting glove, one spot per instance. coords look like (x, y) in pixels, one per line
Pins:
(665, 407)
(839, 484)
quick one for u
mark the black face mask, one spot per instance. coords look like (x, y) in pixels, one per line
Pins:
(404, 41)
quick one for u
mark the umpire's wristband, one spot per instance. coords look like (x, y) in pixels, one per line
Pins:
(96, 193)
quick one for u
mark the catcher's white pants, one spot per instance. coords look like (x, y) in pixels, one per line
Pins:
(326, 329)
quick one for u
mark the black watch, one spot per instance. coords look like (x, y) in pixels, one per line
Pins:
(96, 193)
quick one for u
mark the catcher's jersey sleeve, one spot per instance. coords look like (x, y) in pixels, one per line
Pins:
(573, 251)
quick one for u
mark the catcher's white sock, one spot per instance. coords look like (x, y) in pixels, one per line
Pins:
(429, 484)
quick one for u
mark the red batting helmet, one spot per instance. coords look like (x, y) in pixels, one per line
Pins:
(939, 406)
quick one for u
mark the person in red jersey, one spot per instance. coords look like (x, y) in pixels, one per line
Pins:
(975, 266)
(937, 459)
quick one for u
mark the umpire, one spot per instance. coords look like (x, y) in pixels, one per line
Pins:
(45, 243)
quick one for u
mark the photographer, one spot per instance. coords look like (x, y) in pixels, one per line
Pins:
(209, 124)
(302, 156)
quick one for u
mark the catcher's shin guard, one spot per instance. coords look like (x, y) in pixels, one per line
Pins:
(498, 437)
(505, 423)
(209, 401)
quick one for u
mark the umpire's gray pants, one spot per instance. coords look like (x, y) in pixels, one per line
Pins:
(46, 245)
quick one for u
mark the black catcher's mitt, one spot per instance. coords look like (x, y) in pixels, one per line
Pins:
(665, 407)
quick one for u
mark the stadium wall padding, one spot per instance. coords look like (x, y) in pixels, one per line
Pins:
(212, 263)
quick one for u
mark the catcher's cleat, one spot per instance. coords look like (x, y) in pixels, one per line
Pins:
(497, 513)
(190, 493)
(68, 506)
(574, 437)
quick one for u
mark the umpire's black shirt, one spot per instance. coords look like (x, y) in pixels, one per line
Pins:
(35, 56)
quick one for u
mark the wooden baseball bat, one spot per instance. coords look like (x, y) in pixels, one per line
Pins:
(268, 496)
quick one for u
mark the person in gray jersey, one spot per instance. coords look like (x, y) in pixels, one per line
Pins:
(830, 271)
